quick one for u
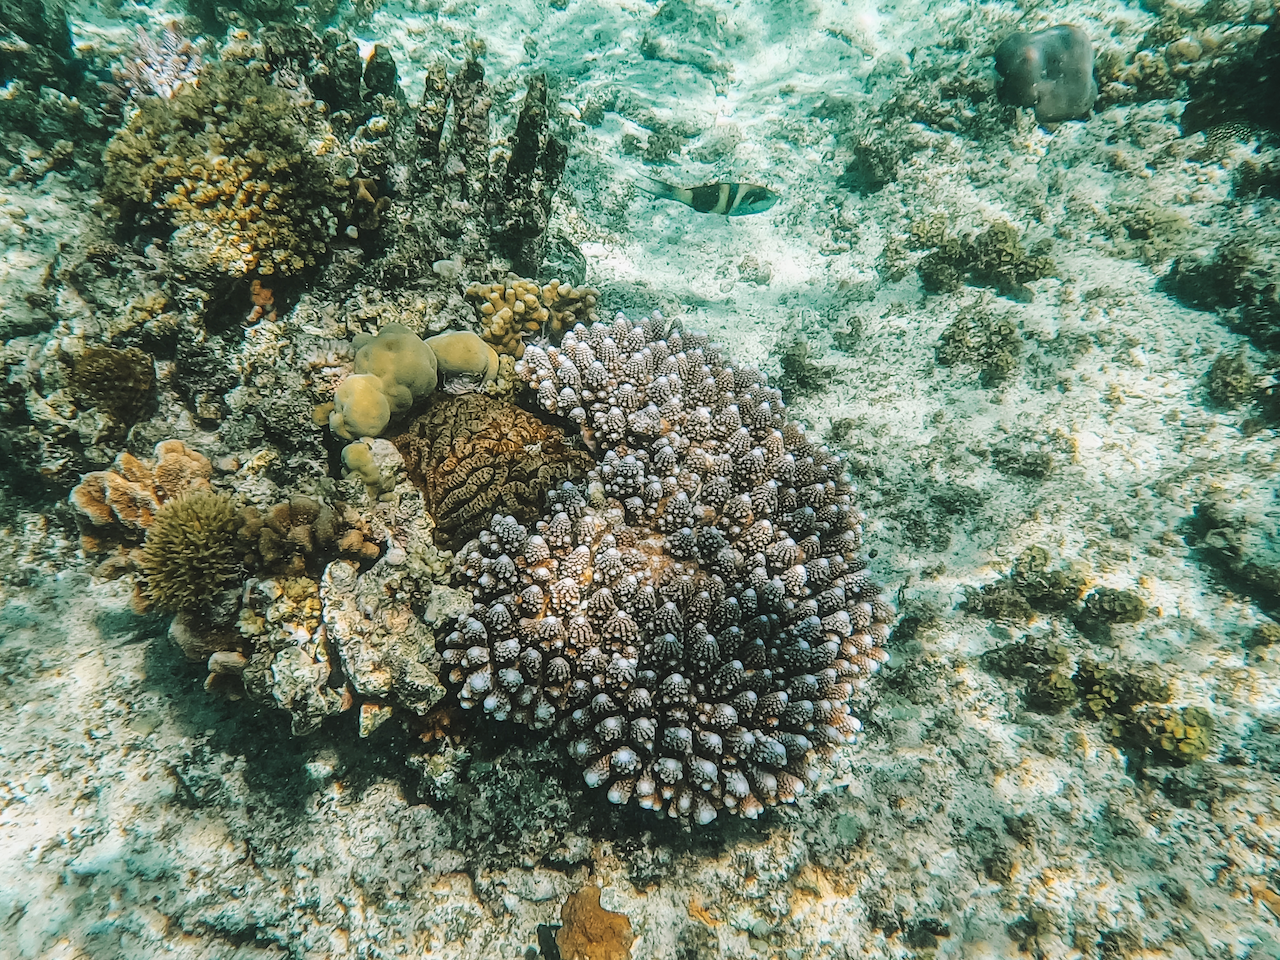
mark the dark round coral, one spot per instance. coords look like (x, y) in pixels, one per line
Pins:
(694, 618)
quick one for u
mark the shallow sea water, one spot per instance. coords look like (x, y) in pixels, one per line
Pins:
(1044, 352)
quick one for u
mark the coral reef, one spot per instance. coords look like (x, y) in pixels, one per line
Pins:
(116, 507)
(981, 338)
(1231, 380)
(120, 383)
(394, 371)
(1240, 280)
(464, 354)
(515, 308)
(243, 172)
(462, 200)
(475, 457)
(1238, 535)
(994, 258)
(290, 661)
(190, 553)
(298, 536)
(694, 618)
(874, 163)
(1176, 736)
(159, 68)
(532, 176)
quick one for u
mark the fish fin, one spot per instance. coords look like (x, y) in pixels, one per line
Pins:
(657, 188)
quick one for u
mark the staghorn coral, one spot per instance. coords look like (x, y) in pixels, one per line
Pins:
(474, 456)
(228, 165)
(695, 617)
(513, 308)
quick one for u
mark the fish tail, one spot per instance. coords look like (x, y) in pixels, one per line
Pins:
(657, 188)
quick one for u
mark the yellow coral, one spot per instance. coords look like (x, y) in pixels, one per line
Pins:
(360, 407)
(401, 360)
(462, 352)
(393, 371)
(516, 307)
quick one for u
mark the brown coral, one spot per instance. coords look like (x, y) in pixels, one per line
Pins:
(590, 932)
(117, 506)
(510, 309)
(297, 537)
(190, 553)
(120, 383)
(474, 456)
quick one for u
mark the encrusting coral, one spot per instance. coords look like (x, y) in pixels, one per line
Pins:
(120, 383)
(692, 619)
(474, 456)
(590, 932)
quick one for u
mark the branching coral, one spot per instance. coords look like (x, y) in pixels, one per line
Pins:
(514, 308)
(695, 617)
(243, 172)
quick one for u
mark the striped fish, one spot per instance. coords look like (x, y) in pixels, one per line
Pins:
(728, 199)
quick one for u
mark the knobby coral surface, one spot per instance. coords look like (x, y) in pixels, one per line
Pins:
(694, 618)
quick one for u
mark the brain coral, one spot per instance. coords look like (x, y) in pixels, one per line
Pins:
(474, 456)
(694, 617)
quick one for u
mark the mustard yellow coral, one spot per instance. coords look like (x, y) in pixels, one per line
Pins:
(515, 307)
(462, 352)
(393, 371)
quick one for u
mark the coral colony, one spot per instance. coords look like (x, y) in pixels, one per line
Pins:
(693, 618)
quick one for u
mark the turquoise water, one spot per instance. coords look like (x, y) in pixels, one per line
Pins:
(914, 590)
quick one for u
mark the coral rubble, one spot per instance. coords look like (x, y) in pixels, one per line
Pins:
(695, 617)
